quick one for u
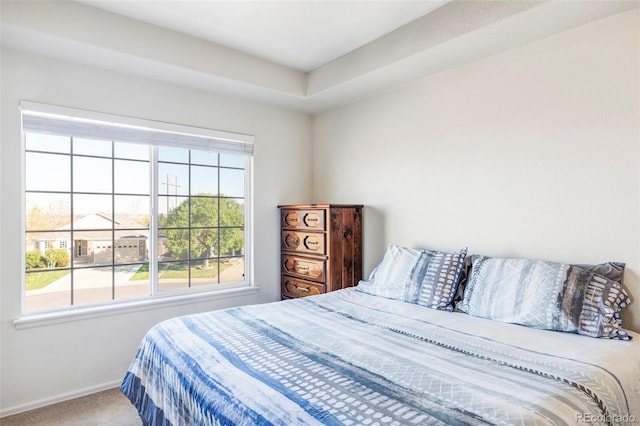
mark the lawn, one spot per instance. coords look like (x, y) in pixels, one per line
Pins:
(141, 274)
(38, 280)
(176, 270)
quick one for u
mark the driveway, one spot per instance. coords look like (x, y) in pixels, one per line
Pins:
(89, 278)
(92, 286)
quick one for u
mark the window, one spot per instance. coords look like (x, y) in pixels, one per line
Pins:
(116, 212)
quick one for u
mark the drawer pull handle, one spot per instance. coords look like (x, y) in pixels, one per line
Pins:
(303, 289)
(292, 219)
(312, 220)
(311, 243)
(303, 268)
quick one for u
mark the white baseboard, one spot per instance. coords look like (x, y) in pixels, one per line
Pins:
(4, 412)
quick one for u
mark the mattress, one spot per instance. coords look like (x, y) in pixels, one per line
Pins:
(349, 358)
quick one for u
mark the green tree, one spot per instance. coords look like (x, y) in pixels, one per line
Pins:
(201, 215)
(57, 258)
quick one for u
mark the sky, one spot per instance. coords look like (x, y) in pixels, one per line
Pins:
(96, 172)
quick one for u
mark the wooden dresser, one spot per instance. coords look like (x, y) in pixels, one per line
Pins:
(321, 248)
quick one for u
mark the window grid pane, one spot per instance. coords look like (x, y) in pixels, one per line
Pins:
(77, 252)
(88, 236)
(205, 228)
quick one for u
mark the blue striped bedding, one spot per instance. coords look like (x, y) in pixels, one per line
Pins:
(350, 358)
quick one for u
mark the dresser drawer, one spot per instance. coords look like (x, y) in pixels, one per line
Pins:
(311, 269)
(304, 219)
(294, 287)
(320, 248)
(304, 242)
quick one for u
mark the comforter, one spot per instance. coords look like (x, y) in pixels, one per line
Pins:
(349, 358)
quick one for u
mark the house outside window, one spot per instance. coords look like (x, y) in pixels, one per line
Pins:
(115, 212)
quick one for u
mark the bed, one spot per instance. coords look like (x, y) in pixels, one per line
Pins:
(350, 357)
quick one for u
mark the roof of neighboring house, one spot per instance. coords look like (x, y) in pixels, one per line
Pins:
(98, 226)
(92, 221)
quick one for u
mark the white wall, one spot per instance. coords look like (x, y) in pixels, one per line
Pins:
(48, 363)
(534, 152)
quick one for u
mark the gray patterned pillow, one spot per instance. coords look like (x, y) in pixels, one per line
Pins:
(424, 277)
(440, 276)
(612, 270)
(546, 295)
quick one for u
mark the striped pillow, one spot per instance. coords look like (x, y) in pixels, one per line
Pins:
(423, 277)
(392, 278)
(546, 295)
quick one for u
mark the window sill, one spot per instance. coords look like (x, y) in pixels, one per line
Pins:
(51, 318)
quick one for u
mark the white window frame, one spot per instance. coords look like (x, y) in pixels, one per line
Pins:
(90, 124)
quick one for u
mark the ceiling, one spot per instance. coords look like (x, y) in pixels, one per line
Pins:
(300, 54)
(299, 34)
